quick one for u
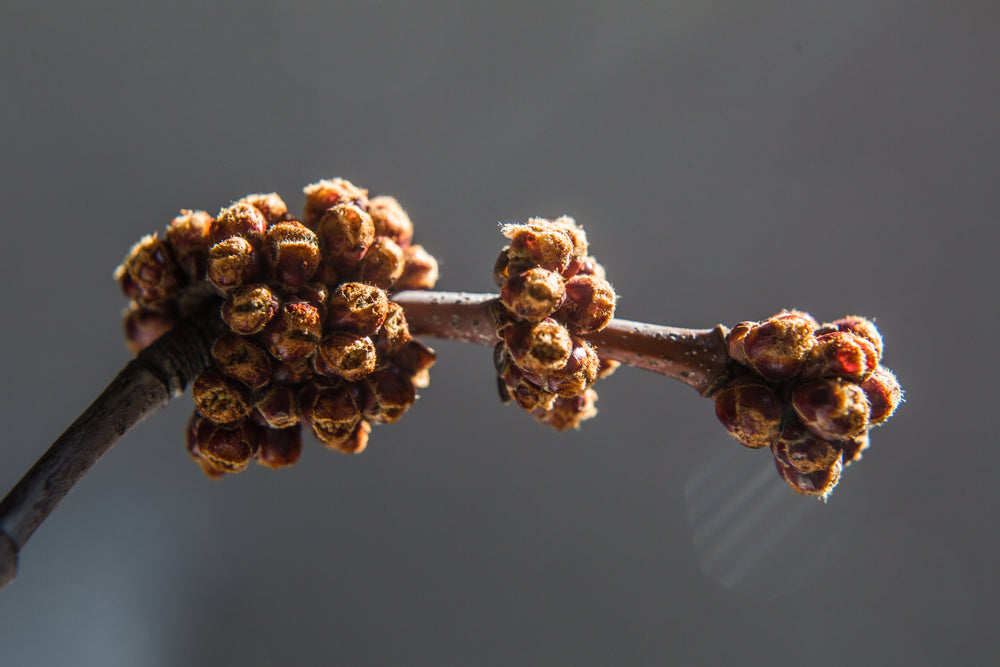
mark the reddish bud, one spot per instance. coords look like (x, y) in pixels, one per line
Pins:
(860, 327)
(420, 269)
(832, 409)
(534, 294)
(750, 412)
(884, 394)
(240, 219)
(566, 413)
(392, 394)
(227, 448)
(278, 407)
(249, 308)
(149, 272)
(233, 262)
(527, 394)
(415, 359)
(382, 264)
(356, 442)
(280, 448)
(292, 253)
(326, 194)
(589, 306)
(332, 411)
(222, 400)
(777, 347)
(841, 354)
(735, 341)
(188, 236)
(191, 438)
(270, 205)
(240, 359)
(804, 451)
(541, 347)
(391, 220)
(345, 233)
(854, 447)
(577, 375)
(294, 331)
(819, 484)
(292, 372)
(357, 307)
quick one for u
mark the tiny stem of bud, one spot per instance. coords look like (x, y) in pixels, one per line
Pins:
(696, 357)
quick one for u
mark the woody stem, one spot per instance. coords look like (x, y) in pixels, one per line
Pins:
(696, 357)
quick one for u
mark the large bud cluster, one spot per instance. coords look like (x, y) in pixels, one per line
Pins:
(809, 392)
(552, 293)
(313, 336)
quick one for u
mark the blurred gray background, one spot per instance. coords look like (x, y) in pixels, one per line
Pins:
(727, 160)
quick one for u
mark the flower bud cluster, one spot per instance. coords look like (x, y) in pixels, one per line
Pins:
(810, 392)
(314, 338)
(552, 293)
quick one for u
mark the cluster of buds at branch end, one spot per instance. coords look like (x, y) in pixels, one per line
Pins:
(809, 392)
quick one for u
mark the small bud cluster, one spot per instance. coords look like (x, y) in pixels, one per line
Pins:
(809, 392)
(552, 293)
(313, 336)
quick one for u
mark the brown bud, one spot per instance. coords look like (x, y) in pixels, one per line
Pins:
(541, 347)
(841, 354)
(332, 411)
(534, 294)
(280, 448)
(391, 220)
(292, 372)
(188, 236)
(777, 347)
(392, 394)
(232, 263)
(144, 324)
(578, 374)
(884, 394)
(240, 219)
(832, 408)
(357, 307)
(227, 448)
(327, 193)
(249, 308)
(270, 205)
(219, 399)
(292, 253)
(859, 326)
(567, 413)
(347, 355)
(356, 442)
(278, 407)
(149, 272)
(735, 341)
(240, 359)
(819, 484)
(294, 331)
(854, 447)
(316, 295)
(395, 332)
(382, 264)
(750, 411)
(585, 266)
(589, 306)
(191, 438)
(415, 359)
(804, 451)
(529, 396)
(420, 270)
(345, 233)
(542, 242)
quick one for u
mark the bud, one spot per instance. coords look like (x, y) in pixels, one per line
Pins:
(527, 394)
(294, 331)
(240, 359)
(357, 307)
(382, 264)
(841, 354)
(884, 394)
(420, 269)
(811, 484)
(280, 448)
(347, 355)
(249, 308)
(750, 412)
(345, 233)
(149, 272)
(392, 393)
(534, 294)
(589, 305)
(854, 447)
(232, 263)
(240, 219)
(316, 295)
(227, 448)
(860, 327)
(543, 346)
(776, 348)
(356, 442)
(278, 407)
(191, 438)
(804, 451)
(567, 413)
(327, 193)
(292, 372)
(735, 341)
(415, 359)
(832, 409)
(579, 372)
(188, 236)
(270, 205)
(292, 253)
(332, 411)
(541, 243)
(391, 220)
(144, 324)
(221, 400)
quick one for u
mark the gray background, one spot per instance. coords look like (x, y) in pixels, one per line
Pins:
(727, 159)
